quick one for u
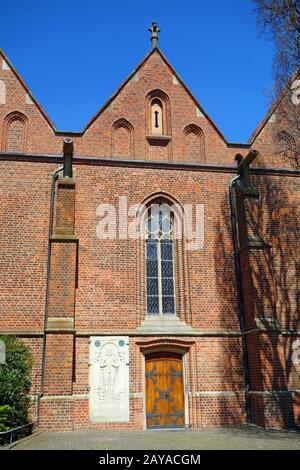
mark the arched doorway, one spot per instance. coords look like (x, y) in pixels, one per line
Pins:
(164, 390)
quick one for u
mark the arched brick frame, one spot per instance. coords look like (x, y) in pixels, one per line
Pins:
(150, 345)
(182, 293)
(16, 117)
(164, 99)
(122, 124)
(193, 141)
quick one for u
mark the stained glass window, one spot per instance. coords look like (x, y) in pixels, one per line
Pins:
(160, 261)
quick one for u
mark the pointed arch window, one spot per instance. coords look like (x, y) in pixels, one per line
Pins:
(286, 144)
(160, 260)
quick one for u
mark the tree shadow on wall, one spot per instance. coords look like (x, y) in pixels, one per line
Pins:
(275, 290)
(276, 284)
(230, 361)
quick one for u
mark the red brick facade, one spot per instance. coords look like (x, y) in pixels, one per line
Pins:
(61, 287)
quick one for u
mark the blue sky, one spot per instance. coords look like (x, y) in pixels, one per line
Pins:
(73, 54)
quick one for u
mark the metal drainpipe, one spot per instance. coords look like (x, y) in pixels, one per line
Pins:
(54, 177)
(233, 218)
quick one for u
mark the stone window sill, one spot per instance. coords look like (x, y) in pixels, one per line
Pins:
(162, 140)
(164, 324)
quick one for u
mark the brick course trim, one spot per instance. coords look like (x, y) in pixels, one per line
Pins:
(122, 162)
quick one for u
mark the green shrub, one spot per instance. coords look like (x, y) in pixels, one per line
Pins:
(6, 417)
(15, 382)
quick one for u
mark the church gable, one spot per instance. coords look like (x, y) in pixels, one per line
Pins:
(273, 136)
(20, 113)
(153, 116)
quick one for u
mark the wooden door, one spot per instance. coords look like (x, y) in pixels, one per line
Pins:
(164, 391)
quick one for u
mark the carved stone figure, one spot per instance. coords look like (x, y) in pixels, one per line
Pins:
(109, 379)
(109, 364)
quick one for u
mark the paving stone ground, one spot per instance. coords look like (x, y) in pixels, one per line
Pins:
(233, 438)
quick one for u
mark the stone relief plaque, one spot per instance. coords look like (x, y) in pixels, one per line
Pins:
(294, 372)
(296, 353)
(109, 379)
(2, 353)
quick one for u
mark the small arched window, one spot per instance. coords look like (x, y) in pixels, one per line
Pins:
(15, 132)
(122, 139)
(286, 146)
(160, 260)
(156, 117)
(194, 144)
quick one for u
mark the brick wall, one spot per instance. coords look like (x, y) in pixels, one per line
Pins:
(98, 286)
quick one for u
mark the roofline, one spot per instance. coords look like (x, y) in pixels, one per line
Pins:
(62, 133)
(192, 96)
(41, 109)
(118, 90)
(272, 108)
(139, 66)
(265, 119)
